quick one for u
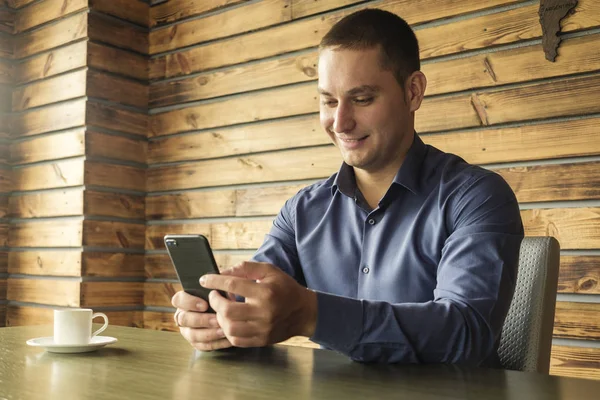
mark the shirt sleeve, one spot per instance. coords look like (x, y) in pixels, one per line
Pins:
(475, 283)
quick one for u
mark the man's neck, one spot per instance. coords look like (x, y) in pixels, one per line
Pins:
(374, 186)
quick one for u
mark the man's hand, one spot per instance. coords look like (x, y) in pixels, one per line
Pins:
(276, 307)
(197, 326)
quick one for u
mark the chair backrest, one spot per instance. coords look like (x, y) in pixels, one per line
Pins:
(527, 332)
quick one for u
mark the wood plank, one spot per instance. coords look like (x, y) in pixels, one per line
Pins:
(51, 63)
(55, 117)
(47, 204)
(117, 33)
(5, 98)
(303, 8)
(312, 163)
(3, 209)
(19, 3)
(304, 131)
(116, 89)
(220, 203)
(577, 362)
(98, 264)
(477, 32)
(130, 64)
(7, 20)
(3, 315)
(4, 233)
(51, 147)
(175, 10)
(160, 321)
(136, 12)
(113, 234)
(47, 176)
(6, 179)
(7, 72)
(46, 11)
(575, 228)
(4, 262)
(66, 233)
(158, 294)
(222, 236)
(49, 263)
(110, 294)
(115, 147)
(48, 37)
(110, 204)
(529, 142)
(158, 266)
(577, 181)
(4, 153)
(301, 99)
(579, 274)
(6, 46)
(227, 23)
(21, 315)
(115, 176)
(56, 292)
(117, 119)
(3, 286)
(577, 320)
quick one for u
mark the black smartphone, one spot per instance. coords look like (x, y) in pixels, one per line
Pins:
(192, 257)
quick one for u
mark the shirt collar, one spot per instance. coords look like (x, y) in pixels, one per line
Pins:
(408, 175)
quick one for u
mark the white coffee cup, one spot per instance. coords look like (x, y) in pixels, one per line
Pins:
(74, 326)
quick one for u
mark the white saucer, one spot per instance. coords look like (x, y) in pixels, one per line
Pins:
(48, 343)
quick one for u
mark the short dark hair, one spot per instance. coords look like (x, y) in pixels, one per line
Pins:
(369, 28)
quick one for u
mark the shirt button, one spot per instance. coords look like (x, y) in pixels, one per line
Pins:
(371, 221)
(365, 270)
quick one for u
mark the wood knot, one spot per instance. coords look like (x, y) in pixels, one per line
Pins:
(202, 80)
(588, 284)
(122, 239)
(39, 262)
(192, 120)
(250, 163)
(126, 203)
(309, 71)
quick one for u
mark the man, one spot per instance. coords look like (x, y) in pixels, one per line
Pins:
(407, 254)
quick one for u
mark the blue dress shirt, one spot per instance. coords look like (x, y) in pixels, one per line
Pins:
(427, 276)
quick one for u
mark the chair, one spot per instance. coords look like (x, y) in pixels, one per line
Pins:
(527, 332)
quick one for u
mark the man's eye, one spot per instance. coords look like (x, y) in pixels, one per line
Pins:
(363, 100)
(329, 103)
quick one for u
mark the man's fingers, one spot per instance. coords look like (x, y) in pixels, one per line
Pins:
(233, 310)
(249, 270)
(230, 284)
(188, 302)
(214, 345)
(191, 319)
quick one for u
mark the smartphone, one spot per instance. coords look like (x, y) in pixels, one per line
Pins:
(192, 257)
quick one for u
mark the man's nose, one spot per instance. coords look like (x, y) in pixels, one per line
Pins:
(343, 119)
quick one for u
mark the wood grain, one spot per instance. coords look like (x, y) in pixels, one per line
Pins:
(303, 8)
(47, 204)
(113, 234)
(6, 180)
(49, 263)
(60, 145)
(7, 20)
(117, 33)
(117, 89)
(56, 292)
(132, 65)
(107, 294)
(58, 174)
(26, 315)
(219, 203)
(46, 11)
(112, 264)
(109, 204)
(304, 131)
(577, 320)
(222, 236)
(52, 90)
(575, 228)
(6, 46)
(7, 72)
(116, 119)
(115, 176)
(227, 23)
(65, 31)
(578, 362)
(310, 163)
(159, 294)
(56, 117)
(45, 234)
(51, 63)
(136, 12)
(3, 211)
(115, 147)
(19, 3)
(175, 10)
(4, 262)
(159, 266)
(579, 274)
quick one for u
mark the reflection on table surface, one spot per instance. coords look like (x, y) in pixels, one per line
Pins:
(161, 365)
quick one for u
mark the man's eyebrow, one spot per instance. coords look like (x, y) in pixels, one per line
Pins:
(354, 91)
(323, 92)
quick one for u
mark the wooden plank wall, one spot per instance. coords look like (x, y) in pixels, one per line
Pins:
(234, 128)
(78, 156)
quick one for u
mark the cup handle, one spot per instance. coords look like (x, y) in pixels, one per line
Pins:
(99, 314)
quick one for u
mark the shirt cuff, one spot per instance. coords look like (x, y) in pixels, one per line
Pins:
(339, 322)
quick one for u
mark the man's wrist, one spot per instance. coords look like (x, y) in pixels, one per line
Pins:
(309, 314)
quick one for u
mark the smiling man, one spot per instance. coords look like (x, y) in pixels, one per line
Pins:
(406, 254)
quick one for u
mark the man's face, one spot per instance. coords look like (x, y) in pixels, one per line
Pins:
(363, 108)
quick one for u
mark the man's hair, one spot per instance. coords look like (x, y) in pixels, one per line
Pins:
(371, 28)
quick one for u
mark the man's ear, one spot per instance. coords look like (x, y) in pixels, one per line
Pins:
(415, 87)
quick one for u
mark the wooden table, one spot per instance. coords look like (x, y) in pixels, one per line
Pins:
(146, 364)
